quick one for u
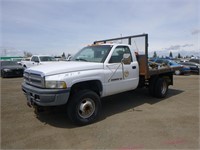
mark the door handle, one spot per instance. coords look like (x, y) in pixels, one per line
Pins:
(133, 67)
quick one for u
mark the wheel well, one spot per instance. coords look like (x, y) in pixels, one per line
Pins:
(93, 85)
(167, 76)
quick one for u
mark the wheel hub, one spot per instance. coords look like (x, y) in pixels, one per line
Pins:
(164, 88)
(86, 108)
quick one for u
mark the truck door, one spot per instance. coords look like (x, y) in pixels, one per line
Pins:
(120, 77)
(34, 61)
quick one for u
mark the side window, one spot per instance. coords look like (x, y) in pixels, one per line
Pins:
(118, 53)
(36, 59)
(33, 58)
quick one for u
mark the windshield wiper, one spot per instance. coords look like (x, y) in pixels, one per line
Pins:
(80, 59)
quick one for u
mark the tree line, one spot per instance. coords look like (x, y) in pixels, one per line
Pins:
(171, 55)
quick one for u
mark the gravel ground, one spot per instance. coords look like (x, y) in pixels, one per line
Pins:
(131, 120)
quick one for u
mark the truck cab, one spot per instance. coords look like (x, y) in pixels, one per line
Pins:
(37, 60)
(116, 76)
(98, 69)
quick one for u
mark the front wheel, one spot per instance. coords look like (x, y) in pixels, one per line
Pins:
(25, 67)
(161, 88)
(3, 74)
(84, 107)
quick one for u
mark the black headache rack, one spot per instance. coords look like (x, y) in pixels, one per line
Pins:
(142, 58)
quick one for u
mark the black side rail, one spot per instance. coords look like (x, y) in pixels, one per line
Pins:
(126, 37)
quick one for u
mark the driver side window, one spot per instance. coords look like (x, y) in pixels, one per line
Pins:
(118, 53)
(35, 59)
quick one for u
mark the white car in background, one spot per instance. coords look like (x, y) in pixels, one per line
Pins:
(37, 60)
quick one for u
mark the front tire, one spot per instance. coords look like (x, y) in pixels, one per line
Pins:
(3, 74)
(84, 107)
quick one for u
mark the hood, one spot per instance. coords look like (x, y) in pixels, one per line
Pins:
(64, 67)
(12, 67)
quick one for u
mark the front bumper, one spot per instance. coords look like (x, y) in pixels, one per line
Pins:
(45, 97)
(13, 73)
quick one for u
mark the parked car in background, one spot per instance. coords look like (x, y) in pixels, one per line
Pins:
(37, 60)
(194, 67)
(184, 60)
(11, 69)
(171, 63)
(195, 60)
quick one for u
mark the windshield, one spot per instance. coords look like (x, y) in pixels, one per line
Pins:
(97, 53)
(8, 63)
(47, 58)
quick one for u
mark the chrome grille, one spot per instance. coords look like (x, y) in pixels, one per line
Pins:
(34, 79)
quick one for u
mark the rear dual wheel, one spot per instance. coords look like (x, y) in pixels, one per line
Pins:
(158, 88)
(161, 88)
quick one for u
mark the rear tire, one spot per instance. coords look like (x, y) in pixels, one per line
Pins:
(84, 107)
(161, 88)
(152, 86)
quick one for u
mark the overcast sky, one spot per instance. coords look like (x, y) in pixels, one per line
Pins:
(57, 26)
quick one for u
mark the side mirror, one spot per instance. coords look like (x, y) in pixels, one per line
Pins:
(126, 59)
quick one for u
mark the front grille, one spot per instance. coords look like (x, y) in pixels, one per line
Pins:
(34, 79)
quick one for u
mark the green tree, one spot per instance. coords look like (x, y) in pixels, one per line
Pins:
(155, 54)
(27, 54)
(170, 54)
(179, 55)
(63, 55)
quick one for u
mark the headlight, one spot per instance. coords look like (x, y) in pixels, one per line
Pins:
(56, 84)
(6, 70)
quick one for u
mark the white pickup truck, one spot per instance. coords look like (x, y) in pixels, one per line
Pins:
(96, 71)
(37, 60)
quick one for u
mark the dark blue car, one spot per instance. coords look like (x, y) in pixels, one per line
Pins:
(171, 63)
